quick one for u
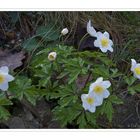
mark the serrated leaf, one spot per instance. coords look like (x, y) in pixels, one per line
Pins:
(31, 95)
(82, 121)
(130, 80)
(91, 118)
(19, 86)
(4, 113)
(109, 111)
(101, 71)
(67, 100)
(63, 74)
(131, 90)
(73, 77)
(114, 99)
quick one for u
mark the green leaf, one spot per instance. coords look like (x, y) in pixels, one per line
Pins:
(75, 67)
(109, 111)
(114, 99)
(22, 87)
(134, 89)
(91, 118)
(82, 121)
(90, 54)
(96, 55)
(66, 114)
(63, 74)
(49, 32)
(115, 73)
(130, 80)
(62, 91)
(67, 100)
(4, 114)
(101, 71)
(43, 33)
(4, 101)
(30, 44)
(137, 87)
(73, 77)
(44, 81)
(131, 90)
(32, 95)
(19, 86)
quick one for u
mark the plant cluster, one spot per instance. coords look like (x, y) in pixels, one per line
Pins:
(66, 76)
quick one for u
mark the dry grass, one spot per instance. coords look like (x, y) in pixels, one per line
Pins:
(124, 27)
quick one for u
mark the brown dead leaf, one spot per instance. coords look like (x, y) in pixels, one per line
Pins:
(11, 60)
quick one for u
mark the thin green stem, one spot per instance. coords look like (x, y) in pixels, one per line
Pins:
(82, 40)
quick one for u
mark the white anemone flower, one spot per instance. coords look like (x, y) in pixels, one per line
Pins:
(89, 102)
(52, 56)
(99, 89)
(64, 31)
(103, 42)
(5, 78)
(91, 30)
(135, 68)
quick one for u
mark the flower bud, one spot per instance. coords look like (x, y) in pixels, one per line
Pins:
(52, 56)
(64, 31)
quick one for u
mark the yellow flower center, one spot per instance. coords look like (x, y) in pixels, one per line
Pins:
(51, 57)
(104, 42)
(98, 89)
(2, 78)
(90, 100)
(137, 70)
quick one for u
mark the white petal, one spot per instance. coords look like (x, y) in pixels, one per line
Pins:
(110, 49)
(106, 94)
(4, 86)
(83, 97)
(4, 69)
(104, 50)
(91, 93)
(136, 76)
(106, 34)
(91, 87)
(96, 43)
(85, 105)
(92, 109)
(91, 30)
(99, 35)
(100, 79)
(106, 84)
(99, 100)
(133, 64)
(110, 42)
(9, 78)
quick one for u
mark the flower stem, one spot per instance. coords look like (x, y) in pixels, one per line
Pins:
(82, 40)
(6, 94)
(90, 72)
(87, 79)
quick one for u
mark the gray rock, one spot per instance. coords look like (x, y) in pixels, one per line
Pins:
(15, 122)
